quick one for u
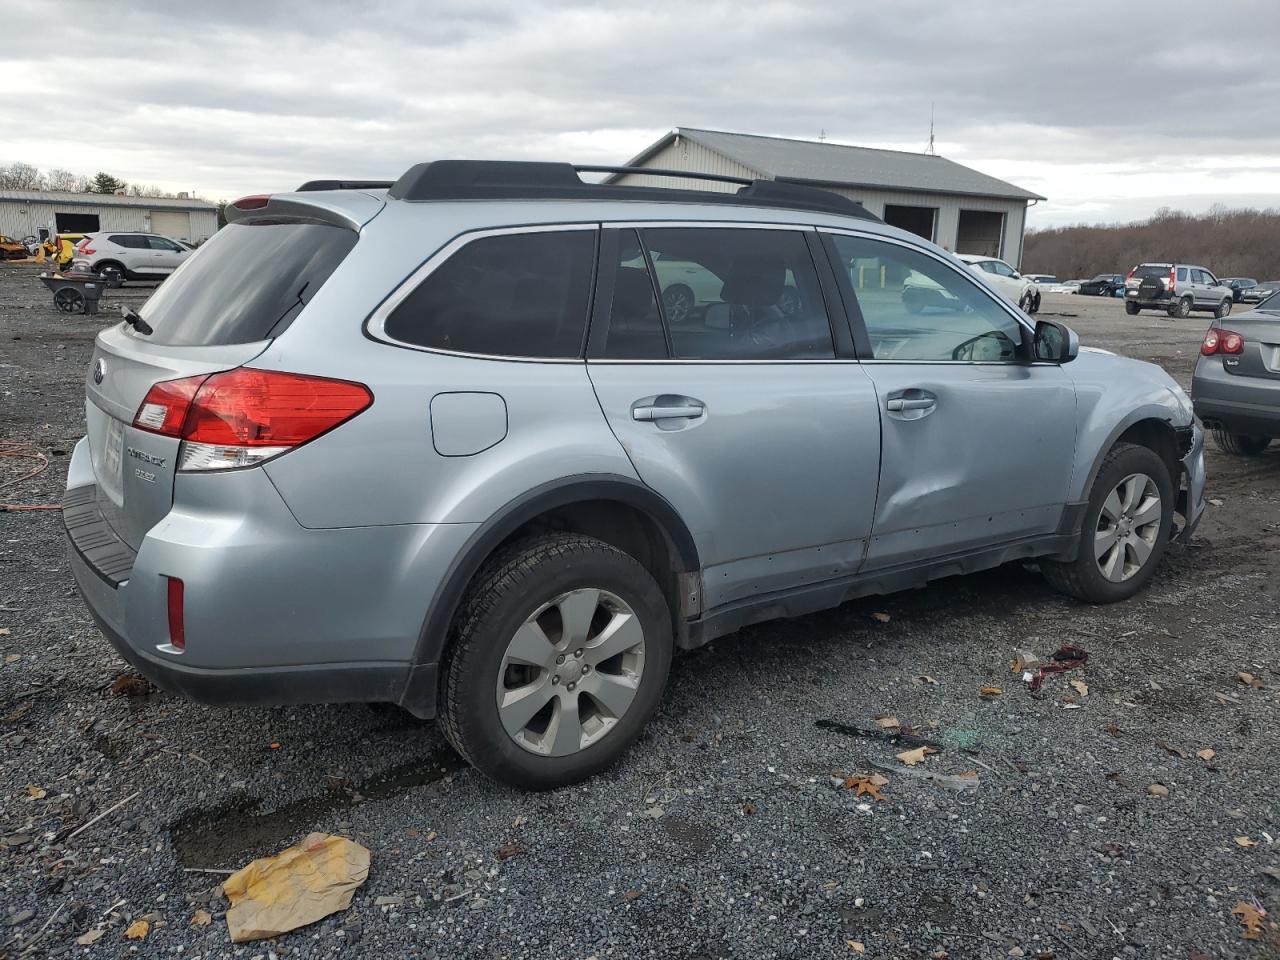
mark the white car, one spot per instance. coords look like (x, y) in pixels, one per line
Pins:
(1007, 280)
(129, 256)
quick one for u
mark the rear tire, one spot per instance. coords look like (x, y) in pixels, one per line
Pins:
(1035, 304)
(1240, 444)
(1223, 310)
(1131, 308)
(555, 595)
(1181, 310)
(1113, 521)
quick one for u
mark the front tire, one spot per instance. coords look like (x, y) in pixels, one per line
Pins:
(1240, 444)
(1125, 530)
(557, 659)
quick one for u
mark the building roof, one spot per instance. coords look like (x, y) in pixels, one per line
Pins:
(104, 200)
(834, 164)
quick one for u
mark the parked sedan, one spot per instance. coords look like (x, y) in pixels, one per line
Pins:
(1103, 285)
(1021, 290)
(1236, 386)
(1239, 286)
(1260, 291)
(130, 256)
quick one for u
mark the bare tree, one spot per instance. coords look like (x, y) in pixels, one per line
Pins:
(1232, 243)
(65, 180)
(21, 176)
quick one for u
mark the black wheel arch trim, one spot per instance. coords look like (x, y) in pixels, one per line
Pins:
(1130, 421)
(419, 693)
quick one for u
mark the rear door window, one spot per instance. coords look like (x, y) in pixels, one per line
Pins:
(513, 295)
(247, 283)
(1182, 274)
(738, 294)
(132, 241)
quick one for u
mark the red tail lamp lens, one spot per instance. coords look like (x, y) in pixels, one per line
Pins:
(177, 629)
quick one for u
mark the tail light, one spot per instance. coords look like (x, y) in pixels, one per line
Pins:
(242, 417)
(1221, 341)
(84, 249)
(1129, 275)
(1172, 283)
(177, 624)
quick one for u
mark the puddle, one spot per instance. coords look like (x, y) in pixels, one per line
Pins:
(225, 837)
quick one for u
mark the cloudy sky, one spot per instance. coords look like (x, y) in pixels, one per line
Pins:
(1109, 109)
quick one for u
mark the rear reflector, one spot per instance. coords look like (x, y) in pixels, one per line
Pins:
(177, 629)
(244, 416)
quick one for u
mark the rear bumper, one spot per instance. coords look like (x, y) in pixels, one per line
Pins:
(274, 612)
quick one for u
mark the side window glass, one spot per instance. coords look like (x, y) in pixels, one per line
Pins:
(918, 308)
(1182, 274)
(635, 323)
(739, 294)
(125, 240)
(160, 243)
(515, 295)
(1000, 269)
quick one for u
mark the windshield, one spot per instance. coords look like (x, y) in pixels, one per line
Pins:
(246, 284)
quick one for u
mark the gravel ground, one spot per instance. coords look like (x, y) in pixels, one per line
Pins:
(722, 833)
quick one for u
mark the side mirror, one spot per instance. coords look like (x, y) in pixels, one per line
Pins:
(1055, 342)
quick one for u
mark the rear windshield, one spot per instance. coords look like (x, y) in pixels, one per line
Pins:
(247, 283)
(1151, 270)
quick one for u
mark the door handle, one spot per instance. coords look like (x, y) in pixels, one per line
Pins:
(921, 403)
(656, 412)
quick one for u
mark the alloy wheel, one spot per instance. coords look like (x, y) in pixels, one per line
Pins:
(1128, 527)
(571, 672)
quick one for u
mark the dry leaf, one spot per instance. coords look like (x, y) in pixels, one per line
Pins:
(299, 885)
(89, 937)
(518, 821)
(138, 930)
(912, 757)
(990, 692)
(1112, 730)
(1250, 918)
(880, 617)
(926, 679)
(1172, 751)
(34, 792)
(967, 773)
(1206, 754)
(868, 785)
(632, 894)
(431, 836)
(857, 946)
(509, 850)
(1245, 842)
(1158, 790)
(887, 722)
(131, 685)
(1249, 680)
(1080, 687)
(748, 809)
(4, 631)
(200, 918)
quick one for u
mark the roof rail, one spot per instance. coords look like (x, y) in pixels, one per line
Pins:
(314, 185)
(539, 180)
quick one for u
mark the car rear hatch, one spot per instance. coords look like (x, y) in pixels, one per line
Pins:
(1150, 281)
(1259, 356)
(217, 311)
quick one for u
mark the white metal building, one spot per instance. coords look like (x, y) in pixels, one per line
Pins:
(954, 206)
(38, 213)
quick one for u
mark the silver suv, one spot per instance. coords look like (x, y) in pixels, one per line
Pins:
(441, 443)
(1176, 288)
(129, 256)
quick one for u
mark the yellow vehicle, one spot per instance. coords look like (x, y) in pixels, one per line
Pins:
(66, 244)
(11, 249)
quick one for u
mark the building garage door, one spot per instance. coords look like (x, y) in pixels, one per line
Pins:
(980, 232)
(917, 220)
(171, 223)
